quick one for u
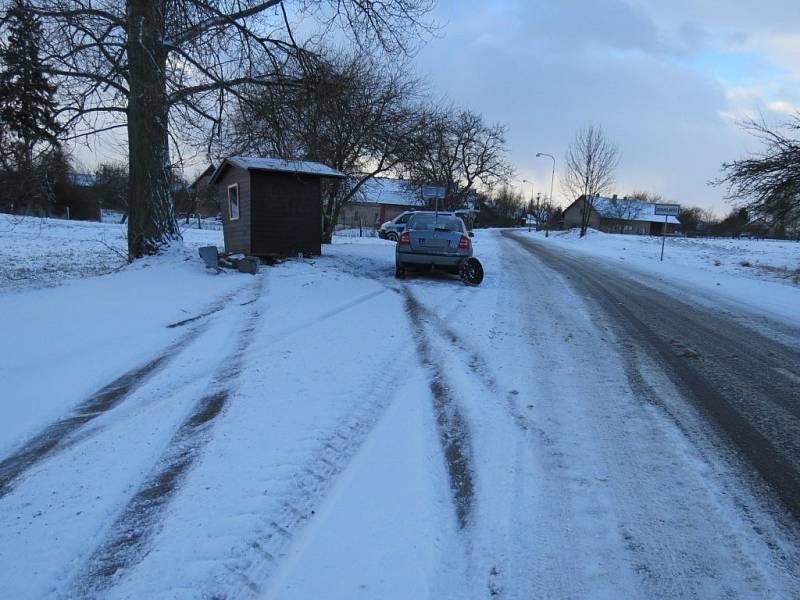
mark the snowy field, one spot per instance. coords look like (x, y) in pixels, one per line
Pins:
(761, 274)
(38, 252)
(770, 260)
(322, 430)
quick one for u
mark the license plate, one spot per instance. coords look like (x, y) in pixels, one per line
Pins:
(433, 243)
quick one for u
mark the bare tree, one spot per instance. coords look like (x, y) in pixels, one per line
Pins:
(540, 210)
(692, 218)
(624, 209)
(160, 67)
(458, 150)
(352, 112)
(591, 161)
(646, 196)
(508, 204)
(767, 184)
(111, 186)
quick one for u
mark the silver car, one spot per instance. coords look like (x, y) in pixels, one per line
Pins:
(391, 230)
(432, 240)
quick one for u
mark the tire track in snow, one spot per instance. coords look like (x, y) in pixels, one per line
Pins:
(675, 553)
(756, 410)
(64, 432)
(480, 367)
(494, 576)
(452, 426)
(435, 326)
(129, 537)
(454, 434)
(259, 556)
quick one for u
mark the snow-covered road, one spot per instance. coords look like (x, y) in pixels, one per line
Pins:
(326, 431)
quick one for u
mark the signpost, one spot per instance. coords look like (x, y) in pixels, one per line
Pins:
(667, 210)
(430, 192)
(433, 191)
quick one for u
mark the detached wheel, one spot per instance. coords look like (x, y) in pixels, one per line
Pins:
(392, 236)
(471, 271)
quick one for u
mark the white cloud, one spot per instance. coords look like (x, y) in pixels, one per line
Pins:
(653, 73)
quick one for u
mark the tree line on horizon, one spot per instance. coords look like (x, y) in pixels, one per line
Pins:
(231, 76)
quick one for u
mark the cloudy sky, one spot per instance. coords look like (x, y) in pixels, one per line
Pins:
(667, 80)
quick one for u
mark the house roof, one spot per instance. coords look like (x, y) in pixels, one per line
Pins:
(626, 209)
(207, 172)
(83, 179)
(386, 190)
(256, 163)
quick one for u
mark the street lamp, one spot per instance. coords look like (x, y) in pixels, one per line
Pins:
(527, 215)
(552, 178)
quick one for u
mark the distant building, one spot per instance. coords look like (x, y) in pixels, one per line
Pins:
(380, 199)
(78, 199)
(620, 215)
(83, 180)
(203, 195)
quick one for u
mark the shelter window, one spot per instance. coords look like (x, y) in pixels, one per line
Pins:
(233, 202)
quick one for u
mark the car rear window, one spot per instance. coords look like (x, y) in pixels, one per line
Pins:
(430, 222)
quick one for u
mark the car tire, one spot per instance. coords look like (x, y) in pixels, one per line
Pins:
(392, 236)
(399, 271)
(471, 271)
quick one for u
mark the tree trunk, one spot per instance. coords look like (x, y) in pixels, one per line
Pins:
(151, 217)
(332, 218)
(586, 214)
(331, 210)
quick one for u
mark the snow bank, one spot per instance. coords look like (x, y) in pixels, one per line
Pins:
(763, 275)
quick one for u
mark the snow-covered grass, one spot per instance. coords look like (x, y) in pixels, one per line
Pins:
(324, 473)
(38, 252)
(372, 240)
(762, 274)
(774, 260)
(364, 232)
(44, 252)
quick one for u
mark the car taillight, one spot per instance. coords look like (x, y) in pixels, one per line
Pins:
(463, 243)
(405, 240)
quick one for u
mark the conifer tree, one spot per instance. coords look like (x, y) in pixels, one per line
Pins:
(27, 108)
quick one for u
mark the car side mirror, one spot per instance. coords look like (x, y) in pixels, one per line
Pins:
(471, 234)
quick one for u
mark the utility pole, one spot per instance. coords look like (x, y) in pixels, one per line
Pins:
(527, 213)
(552, 179)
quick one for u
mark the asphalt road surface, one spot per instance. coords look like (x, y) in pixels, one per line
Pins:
(741, 370)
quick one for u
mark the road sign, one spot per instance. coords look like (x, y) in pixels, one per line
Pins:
(668, 210)
(433, 191)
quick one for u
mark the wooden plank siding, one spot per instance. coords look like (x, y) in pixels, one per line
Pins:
(286, 214)
(236, 233)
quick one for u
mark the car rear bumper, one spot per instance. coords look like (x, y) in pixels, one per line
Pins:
(440, 260)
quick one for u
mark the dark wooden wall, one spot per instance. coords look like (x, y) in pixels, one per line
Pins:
(236, 233)
(286, 214)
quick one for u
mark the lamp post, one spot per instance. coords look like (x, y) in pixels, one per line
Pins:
(552, 178)
(527, 215)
